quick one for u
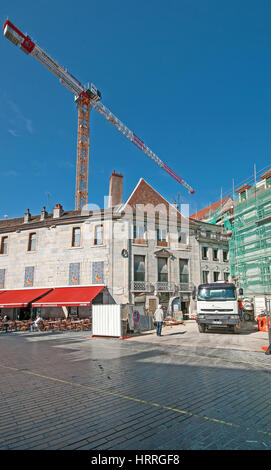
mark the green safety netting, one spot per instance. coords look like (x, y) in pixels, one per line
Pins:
(250, 243)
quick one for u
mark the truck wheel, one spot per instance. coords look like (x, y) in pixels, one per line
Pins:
(202, 328)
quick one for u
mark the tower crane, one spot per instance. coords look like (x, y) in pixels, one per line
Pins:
(85, 98)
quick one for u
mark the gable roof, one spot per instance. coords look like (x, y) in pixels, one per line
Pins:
(145, 194)
(203, 213)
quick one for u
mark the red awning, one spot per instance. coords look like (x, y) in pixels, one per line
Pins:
(20, 298)
(69, 297)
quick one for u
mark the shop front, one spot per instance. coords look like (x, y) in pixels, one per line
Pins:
(60, 302)
(65, 302)
(17, 304)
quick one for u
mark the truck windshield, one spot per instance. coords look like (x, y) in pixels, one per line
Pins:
(216, 294)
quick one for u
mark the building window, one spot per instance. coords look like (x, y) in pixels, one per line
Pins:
(184, 272)
(216, 276)
(162, 270)
(4, 245)
(204, 252)
(161, 235)
(182, 237)
(243, 196)
(205, 277)
(225, 256)
(226, 276)
(76, 231)
(139, 268)
(215, 254)
(98, 236)
(140, 231)
(31, 242)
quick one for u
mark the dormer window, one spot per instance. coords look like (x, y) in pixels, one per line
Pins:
(161, 236)
(140, 230)
(182, 237)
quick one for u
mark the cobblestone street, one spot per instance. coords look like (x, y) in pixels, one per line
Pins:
(71, 391)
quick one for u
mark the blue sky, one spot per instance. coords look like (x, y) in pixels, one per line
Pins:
(191, 78)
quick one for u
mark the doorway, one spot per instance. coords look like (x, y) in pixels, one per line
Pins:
(152, 305)
(185, 310)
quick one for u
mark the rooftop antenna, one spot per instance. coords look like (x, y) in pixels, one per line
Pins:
(48, 198)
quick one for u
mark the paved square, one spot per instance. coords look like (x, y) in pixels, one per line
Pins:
(71, 391)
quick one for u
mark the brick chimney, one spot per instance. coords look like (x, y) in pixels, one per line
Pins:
(115, 189)
(27, 217)
(58, 211)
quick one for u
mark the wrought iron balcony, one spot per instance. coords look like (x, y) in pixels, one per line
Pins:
(165, 286)
(185, 286)
(141, 286)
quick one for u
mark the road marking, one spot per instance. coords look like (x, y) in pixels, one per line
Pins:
(125, 397)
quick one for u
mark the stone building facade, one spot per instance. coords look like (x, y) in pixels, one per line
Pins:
(144, 251)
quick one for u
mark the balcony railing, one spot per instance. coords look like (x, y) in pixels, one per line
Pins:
(165, 286)
(185, 286)
(141, 286)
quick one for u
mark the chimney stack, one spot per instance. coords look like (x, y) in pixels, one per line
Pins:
(115, 189)
(58, 211)
(43, 214)
(27, 217)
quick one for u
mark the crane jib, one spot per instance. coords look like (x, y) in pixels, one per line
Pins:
(92, 96)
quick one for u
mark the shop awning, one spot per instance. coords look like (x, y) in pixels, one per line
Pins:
(21, 298)
(69, 297)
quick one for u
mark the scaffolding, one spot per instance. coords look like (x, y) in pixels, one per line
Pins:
(250, 243)
(214, 216)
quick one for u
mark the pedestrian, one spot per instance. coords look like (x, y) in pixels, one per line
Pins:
(6, 324)
(36, 323)
(159, 317)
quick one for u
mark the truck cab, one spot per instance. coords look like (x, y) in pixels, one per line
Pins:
(217, 306)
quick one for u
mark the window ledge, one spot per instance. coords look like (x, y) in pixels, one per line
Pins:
(140, 241)
(161, 243)
(181, 247)
(140, 244)
(74, 248)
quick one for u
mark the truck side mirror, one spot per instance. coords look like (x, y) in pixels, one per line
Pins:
(241, 291)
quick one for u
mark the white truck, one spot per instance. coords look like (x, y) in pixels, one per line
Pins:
(217, 306)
